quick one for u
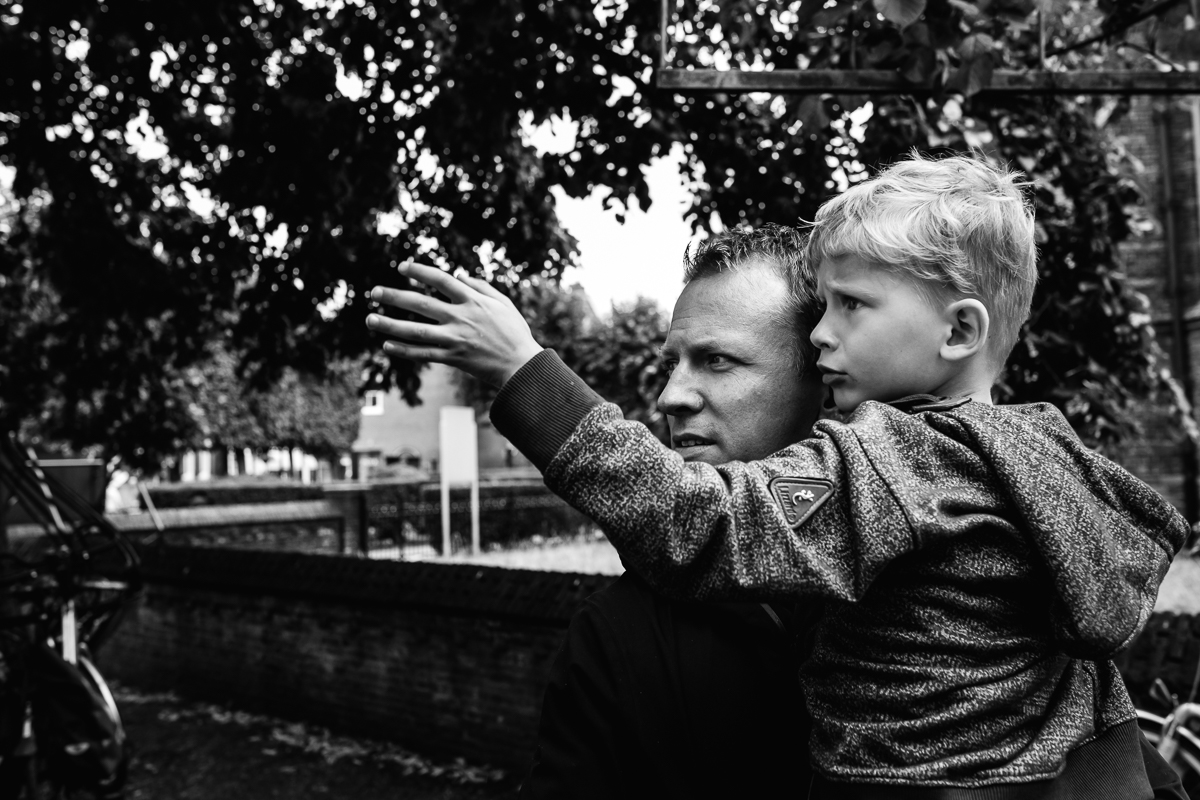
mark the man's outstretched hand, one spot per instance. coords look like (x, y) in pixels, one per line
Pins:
(478, 331)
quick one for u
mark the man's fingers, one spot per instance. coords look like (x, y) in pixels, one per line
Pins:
(416, 302)
(483, 287)
(432, 276)
(402, 350)
(420, 333)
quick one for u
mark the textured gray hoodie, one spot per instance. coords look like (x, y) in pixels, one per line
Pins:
(979, 566)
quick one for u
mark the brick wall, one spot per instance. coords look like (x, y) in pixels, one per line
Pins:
(447, 659)
(1158, 456)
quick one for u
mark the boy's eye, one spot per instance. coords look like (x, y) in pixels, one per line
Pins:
(668, 365)
(851, 303)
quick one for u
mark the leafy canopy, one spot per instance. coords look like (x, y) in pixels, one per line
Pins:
(249, 168)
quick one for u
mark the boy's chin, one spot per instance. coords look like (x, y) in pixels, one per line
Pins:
(843, 403)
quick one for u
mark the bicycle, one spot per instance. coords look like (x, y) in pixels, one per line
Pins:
(61, 594)
(1176, 736)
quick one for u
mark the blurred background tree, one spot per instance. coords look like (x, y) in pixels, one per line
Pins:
(249, 168)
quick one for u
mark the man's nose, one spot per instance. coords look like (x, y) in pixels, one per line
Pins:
(679, 396)
(822, 335)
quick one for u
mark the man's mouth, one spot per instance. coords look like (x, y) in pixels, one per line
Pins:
(686, 441)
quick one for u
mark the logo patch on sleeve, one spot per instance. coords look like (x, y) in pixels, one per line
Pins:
(799, 498)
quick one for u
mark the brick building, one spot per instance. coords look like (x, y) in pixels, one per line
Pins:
(1162, 137)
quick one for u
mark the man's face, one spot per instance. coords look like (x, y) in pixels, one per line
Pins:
(734, 394)
(880, 337)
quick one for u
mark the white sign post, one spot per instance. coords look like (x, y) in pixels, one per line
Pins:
(459, 464)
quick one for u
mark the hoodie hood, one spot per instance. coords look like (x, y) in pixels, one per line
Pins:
(1105, 537)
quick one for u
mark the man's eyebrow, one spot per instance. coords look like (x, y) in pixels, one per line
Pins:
(698, 347)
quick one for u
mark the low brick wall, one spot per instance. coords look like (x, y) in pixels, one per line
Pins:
(447, 659)
(450, 660)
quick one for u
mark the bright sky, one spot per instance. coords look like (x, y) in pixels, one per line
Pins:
(643, 257)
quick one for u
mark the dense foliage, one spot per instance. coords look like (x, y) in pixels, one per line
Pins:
(248, 168)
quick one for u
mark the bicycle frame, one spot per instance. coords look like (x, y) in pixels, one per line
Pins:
(1171, 736)
(67, 593)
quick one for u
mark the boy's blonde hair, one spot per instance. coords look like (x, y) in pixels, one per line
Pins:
(960, 226)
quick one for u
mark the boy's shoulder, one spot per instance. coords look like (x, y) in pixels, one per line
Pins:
(924, 444)
(915, 419)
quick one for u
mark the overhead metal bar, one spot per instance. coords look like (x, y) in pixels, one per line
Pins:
(846, 81)
(861, 81)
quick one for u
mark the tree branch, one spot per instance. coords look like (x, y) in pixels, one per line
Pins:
(1151, 54)
(1153, 10)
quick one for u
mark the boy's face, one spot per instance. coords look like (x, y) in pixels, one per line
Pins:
(879, 337)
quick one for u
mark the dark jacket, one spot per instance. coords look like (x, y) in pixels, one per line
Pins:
(657, 698)
(980, 567)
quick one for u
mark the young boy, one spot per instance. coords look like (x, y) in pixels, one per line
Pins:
(979, 565)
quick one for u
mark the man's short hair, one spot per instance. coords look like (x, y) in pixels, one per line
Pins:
(959, 226)
(782, 248)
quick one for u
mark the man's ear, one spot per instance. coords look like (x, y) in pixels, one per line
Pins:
(969, 327)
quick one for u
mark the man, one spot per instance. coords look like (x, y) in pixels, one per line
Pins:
(651, 697)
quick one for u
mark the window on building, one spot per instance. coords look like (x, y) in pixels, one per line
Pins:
(372, 403)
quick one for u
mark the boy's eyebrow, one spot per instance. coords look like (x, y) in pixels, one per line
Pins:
(842, 287)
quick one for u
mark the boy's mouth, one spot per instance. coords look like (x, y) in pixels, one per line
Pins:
(831, 376)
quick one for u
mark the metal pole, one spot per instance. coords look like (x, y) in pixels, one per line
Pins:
(1041, 40)
(70, 647)
(364, 543)
(1180, 362)
(445, 518)
(475, 517)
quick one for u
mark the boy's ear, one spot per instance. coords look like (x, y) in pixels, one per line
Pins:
(969, 327)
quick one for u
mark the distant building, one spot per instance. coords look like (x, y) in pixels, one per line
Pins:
(396, 438)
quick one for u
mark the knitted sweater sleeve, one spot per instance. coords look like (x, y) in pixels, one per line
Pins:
(786, 525)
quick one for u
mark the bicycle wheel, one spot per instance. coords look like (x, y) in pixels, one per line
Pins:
(81, 743)
(1185, 758)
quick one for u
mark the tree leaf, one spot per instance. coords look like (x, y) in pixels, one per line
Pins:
(920, 66)
(1180, 45)
(812, 113)
(975, 46)
(900, 12)
(972, 76)
(806, 12)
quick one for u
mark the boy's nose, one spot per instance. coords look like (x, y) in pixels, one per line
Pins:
(679, 397)
(822, 336)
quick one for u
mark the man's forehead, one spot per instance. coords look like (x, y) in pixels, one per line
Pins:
(722, 314)
(753, 283)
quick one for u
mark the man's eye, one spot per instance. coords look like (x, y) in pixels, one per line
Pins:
(718, 360)
(668, 366)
